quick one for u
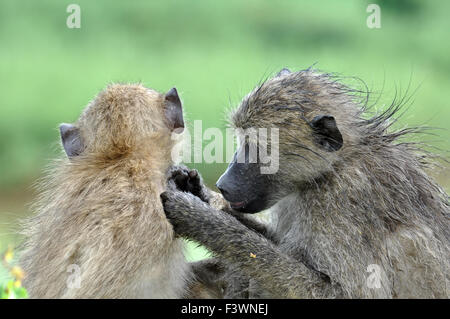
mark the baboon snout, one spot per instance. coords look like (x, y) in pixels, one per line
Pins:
(233, 194)
(223, 187)
(227, 186)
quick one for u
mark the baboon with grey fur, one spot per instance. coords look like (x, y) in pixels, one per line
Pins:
(354, 215)
(100, 229)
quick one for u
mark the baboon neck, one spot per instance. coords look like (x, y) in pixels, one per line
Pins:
(139, 172)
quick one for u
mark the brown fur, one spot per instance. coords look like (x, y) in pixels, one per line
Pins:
(101, 210)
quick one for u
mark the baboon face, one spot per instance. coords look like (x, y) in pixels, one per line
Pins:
(309, 140)
(123, 119)
(243, 184)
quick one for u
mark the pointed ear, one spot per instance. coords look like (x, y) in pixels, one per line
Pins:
(284, 71)
(327, 134)
(174, 111)
(71, 139)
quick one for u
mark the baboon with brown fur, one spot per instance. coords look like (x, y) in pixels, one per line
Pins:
(354, 215)
(99, 215)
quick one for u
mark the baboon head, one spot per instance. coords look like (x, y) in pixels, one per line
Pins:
(307, 109)
(124, 119)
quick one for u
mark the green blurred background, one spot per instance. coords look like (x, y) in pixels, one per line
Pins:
(214, 52)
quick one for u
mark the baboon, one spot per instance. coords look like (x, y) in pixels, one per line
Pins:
(100, 229)
(354, 215)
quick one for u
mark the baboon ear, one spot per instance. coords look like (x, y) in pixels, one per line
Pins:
(174, 111)
(71, 139)
(284, 71)
(327, 134)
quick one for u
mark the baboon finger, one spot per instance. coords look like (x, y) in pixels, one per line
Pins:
(181, 180)
(193, 174)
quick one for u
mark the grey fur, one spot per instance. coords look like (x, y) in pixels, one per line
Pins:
(335, 213)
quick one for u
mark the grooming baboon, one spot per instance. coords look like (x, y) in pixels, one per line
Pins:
(354, 215)
(100, 229)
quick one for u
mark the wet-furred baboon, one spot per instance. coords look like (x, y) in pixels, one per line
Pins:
(354, 215)
(100, 229)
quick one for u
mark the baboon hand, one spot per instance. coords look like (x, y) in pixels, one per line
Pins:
(183, 210)
(188, 180)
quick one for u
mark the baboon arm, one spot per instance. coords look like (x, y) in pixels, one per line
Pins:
(258, 258)
(219, 203)
(182, 178)
(255, 225)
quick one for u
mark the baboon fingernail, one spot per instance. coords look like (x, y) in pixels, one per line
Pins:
(193, 173)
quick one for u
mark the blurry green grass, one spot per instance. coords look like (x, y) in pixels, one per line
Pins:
(213, 52)
(196, 252)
